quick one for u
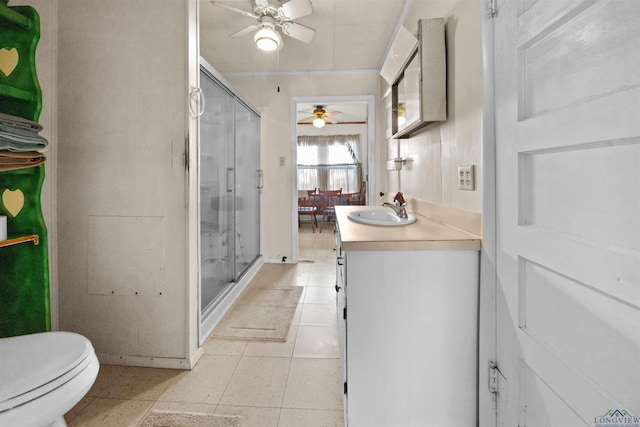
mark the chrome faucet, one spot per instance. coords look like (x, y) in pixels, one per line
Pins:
(398, 205)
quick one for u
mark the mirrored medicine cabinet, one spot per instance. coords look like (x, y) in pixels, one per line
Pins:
(419, 92)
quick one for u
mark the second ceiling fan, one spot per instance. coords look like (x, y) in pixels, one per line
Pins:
(320, 117)
(270, 17)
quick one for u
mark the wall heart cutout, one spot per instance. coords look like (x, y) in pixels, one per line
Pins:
(8, 60)
(12, 202)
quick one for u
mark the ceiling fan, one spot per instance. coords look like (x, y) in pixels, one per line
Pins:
(320, 117)
(270, 17)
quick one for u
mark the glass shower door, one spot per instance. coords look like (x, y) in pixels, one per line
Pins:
(248, 182)
(217, 241)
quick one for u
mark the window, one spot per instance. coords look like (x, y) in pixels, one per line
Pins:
(329, 163)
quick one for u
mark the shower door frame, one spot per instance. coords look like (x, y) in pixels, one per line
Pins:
(213, 312)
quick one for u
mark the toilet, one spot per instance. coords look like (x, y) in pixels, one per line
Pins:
(43, 376)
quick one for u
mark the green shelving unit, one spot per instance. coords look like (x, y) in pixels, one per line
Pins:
(24, 263)
(20, 93)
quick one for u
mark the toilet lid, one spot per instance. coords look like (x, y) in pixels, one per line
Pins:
(39, 361)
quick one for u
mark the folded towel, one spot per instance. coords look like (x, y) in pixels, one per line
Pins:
(13, 139)
(10, 160)
(19, 123)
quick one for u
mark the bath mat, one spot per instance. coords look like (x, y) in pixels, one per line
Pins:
(261, 314)
(188, 419)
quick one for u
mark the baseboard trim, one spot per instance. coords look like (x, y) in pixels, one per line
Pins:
(151, 362)
(279, 261)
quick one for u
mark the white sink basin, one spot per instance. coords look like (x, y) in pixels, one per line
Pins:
(380, 217)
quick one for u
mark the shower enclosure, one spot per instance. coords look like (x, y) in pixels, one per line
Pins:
(230, 182)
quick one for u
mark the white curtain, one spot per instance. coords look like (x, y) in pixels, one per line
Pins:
(307, 178)
(329, 162)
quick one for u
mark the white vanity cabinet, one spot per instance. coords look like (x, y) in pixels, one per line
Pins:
(341, 305)
(408, 331)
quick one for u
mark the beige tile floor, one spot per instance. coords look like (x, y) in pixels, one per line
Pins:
(296, 383)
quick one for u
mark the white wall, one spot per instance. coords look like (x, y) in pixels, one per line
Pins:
(87, 120)
(122, 221)
(436, 153)
(275, 107)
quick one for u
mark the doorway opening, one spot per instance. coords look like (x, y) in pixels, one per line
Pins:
(338, 155)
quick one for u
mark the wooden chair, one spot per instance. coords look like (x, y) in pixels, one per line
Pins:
(329, 202)
(325, 203)
(306, 208)
(329, 192)
(344, 199)
(362, 199)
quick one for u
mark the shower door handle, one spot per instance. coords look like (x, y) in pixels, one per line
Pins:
(230, 183)
(260, 176)
(196, 96)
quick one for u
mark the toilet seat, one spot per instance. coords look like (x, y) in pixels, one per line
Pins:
(34, 365)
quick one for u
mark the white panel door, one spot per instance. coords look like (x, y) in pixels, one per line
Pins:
(567, 92)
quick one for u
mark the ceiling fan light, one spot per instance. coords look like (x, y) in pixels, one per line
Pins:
(402, 115)
(318, 123)
(267, 39)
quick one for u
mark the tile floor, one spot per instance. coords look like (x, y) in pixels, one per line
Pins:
(296, 383)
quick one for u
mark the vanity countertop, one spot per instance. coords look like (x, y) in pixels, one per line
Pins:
(423, 234)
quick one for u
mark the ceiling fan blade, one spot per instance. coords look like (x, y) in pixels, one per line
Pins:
(299, 32)
(294, 9)
(245, 31)
(235, 9)
(307, 118)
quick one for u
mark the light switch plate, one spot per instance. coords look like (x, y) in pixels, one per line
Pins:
(466, 177)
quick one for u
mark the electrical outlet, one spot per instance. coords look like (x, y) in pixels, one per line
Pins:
(466, 178)
(282, 161)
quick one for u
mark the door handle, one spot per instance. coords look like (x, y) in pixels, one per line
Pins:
(196, 96)
(230, 183)
(260, 179)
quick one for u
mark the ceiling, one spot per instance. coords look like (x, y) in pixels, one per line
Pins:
(350, 35)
